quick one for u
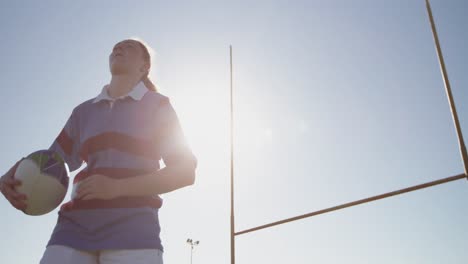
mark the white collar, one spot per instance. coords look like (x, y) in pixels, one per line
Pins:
(136, 93)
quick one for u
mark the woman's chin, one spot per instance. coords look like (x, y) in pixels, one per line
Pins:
(118, 70)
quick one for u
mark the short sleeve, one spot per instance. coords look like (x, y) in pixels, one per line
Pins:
(170, 138)
(67, 143)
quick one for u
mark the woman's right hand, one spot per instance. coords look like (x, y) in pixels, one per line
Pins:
(7, 187)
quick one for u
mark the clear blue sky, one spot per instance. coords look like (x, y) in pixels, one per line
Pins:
(335, 101)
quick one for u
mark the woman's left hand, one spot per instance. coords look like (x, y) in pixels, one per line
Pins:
(98, 186)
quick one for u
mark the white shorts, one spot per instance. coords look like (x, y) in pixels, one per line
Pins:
(56, 254)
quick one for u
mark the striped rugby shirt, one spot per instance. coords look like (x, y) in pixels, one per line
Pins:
(118, 138)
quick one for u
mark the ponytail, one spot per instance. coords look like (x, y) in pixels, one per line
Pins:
(149, 84)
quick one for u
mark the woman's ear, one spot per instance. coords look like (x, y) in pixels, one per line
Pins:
(145, 67)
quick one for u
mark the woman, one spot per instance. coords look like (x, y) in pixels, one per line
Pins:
(121, 135)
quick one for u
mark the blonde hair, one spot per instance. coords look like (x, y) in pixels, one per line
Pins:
(147, 52)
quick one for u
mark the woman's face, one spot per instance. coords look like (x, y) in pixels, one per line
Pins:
(127, 58)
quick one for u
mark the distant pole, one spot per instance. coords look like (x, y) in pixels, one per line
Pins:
(233, 257)
(192, 245)
(448, 90)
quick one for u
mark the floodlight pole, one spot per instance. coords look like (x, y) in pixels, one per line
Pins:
(192, 245)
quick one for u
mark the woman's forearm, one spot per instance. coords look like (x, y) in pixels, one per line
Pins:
(162, 181)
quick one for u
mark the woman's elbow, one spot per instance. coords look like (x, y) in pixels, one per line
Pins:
(192, 171)
(189, 172)
(191, 178)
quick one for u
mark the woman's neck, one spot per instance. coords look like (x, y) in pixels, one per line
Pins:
(121, 84)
